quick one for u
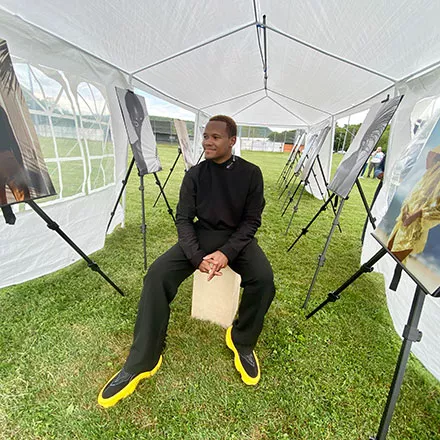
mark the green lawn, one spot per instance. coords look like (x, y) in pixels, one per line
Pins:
(63, 335)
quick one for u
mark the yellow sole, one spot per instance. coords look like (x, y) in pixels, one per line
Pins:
(248, 380)
(126, 391)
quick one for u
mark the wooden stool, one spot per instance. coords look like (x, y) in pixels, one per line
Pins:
(216, 300)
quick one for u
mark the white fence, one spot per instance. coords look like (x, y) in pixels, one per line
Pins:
(261, 144)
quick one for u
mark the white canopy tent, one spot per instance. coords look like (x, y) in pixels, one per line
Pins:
(311, 62)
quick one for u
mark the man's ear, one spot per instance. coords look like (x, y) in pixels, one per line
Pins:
(232, 141)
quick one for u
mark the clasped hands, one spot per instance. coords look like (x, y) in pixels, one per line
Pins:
(213, 263)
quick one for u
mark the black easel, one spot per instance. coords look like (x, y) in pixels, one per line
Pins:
(365, 268)
(200, 157)
(144, 223)
(291, 167)
(410, 334)
(321, 257)
(376, 194)
(289, 198)
(287, 168)
(142, 190)
(290, 195)
(169, 175)
(306, 229)
(306, 182)
(55, 227)
(366, 205)
(124, 184)
(286, 186)
(282, 176)
(170, 210)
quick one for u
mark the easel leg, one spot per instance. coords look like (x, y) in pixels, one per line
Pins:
(200, 157)
(295, 208)
(124, 184)
(290, 199)
(168, 177)
(170, 210)
(292, 177)
(55, 227)
(376, 194)
(326, 186)
(366, 267)
(306, 229)
(410, 334)
(367, 207)
(143, 224)
(282, 176)
(321, 258)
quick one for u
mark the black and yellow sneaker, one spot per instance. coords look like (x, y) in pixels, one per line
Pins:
(246, 364)
(122, 384)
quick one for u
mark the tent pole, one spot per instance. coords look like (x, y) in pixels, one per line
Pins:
(233, 98)
(287, 110)
(250, 105)
(258, 27)
(354, 107)
(420, 72)
(103, 60)
(192, 48)
(346, 131)
(329, 54)
(299, 102)
(265, 54)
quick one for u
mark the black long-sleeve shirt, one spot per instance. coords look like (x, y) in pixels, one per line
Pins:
(227, 196)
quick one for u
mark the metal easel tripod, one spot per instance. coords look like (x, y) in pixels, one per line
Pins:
(51, 224)
(410, 334)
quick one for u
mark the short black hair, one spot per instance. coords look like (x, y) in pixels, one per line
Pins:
(231, 126)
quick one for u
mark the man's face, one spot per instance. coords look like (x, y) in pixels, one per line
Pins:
(216, 142)
(137, 117)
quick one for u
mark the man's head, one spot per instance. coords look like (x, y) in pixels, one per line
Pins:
(135, 111)
(219, 137)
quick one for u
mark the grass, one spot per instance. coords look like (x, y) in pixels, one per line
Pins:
(63, 335)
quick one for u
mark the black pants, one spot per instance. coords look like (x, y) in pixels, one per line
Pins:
(160, 287)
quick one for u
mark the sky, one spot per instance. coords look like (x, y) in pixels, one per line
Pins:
(356, 118)
(159, 107)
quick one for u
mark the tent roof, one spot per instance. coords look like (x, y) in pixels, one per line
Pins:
(322, 57)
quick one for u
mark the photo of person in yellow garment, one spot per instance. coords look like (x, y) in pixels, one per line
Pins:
(410, 229)
(420, 212)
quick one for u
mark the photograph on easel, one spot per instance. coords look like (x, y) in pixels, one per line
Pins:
(184, 143)
(139, 131)
(410, 229)
(314, 151)
(23, 172)
(310, 142)
(362, 146)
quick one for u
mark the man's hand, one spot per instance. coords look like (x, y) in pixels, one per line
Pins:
(207, 267)
(217, 260)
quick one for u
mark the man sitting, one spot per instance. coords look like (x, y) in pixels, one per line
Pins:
(225, 193)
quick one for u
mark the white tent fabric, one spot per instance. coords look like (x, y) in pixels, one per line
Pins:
(324, 59)
(29, 245)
